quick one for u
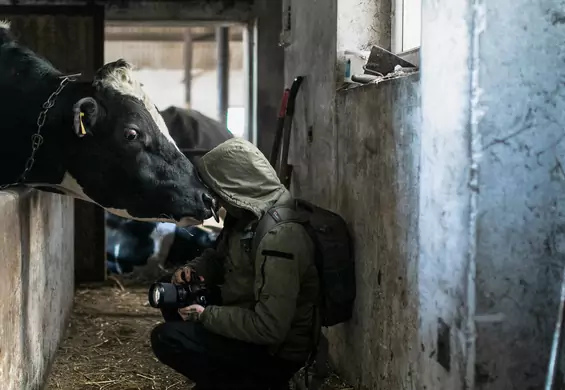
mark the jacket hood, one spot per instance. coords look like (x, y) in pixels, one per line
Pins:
(241, 176)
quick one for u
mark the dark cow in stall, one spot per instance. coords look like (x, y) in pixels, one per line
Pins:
(131, 243)
(101, 141)
(193, 131)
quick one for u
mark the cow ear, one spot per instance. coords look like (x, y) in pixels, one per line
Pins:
(85, 113)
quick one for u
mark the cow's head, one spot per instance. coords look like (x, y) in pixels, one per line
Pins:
(123, 158)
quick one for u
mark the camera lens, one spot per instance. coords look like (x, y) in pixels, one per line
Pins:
(156, 295)
(166, 295)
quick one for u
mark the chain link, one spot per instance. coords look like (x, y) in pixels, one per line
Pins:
(37, 138)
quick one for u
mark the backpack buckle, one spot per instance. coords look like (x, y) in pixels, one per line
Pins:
(275, 214)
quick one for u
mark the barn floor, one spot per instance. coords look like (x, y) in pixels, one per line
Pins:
(107, 343)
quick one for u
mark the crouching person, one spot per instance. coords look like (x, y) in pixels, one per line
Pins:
(259, 332)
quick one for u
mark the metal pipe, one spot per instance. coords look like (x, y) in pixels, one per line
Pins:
(222, 40)
(557, 344)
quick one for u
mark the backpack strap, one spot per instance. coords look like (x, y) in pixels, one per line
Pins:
(275, 216)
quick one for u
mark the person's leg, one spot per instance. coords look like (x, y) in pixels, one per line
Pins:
(168, 346)
(272, 373)
(213, 361)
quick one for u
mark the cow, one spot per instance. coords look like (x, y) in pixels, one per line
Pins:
(132, 243)
(194, 132)
(102, 141)
(129, 243)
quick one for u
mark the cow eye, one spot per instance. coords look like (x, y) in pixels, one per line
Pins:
(130, 134)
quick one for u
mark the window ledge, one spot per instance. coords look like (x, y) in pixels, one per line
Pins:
(345, 88)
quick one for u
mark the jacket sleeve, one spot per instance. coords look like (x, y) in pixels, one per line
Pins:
(282, 257)
(209, 265)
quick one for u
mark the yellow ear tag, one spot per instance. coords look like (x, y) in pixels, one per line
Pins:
(82, 130)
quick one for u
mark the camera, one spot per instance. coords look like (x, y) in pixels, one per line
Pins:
(172, 296)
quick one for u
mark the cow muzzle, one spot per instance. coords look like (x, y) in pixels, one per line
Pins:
(207, 207)
(212, 204)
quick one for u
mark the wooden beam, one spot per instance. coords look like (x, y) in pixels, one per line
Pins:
(161, 12)
(171, 23)
(179, 11)
(163, 37)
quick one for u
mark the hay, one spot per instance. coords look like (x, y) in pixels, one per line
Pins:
(107, 343)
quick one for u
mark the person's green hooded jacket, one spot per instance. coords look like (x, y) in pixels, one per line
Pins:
(269, 300)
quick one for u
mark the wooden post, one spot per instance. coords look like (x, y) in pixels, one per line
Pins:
(249, 64)
(188, 50)
(223, 46)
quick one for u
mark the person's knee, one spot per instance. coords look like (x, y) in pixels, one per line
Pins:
(175, 337)
(162, 341)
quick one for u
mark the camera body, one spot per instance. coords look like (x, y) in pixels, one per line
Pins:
(172, 296)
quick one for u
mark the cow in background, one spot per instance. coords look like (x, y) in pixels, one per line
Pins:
(102, 141)
(193, 131)
(132, 243)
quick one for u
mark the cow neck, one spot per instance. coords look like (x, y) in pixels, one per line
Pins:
(49, 166)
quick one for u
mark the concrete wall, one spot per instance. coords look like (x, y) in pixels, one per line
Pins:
(362, 162)
(482, 226)
(493, 185)
(378, 147)
(311, 53)
(517, 127)
(446, 233)
(36, 284)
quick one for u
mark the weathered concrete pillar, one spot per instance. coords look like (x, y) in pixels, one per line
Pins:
(492, 197)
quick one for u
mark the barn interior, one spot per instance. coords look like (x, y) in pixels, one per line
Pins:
(434, 128)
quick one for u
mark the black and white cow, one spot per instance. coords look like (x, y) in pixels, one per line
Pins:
(104, 141)
(131, 243)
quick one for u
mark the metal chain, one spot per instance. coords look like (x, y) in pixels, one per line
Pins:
(37, 138)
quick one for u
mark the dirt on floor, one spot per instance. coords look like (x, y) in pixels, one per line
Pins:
(107, 343)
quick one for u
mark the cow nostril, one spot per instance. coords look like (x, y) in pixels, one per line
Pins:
(209, 201)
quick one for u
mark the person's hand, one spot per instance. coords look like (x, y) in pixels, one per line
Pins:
(182, 275)
(191, 313)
